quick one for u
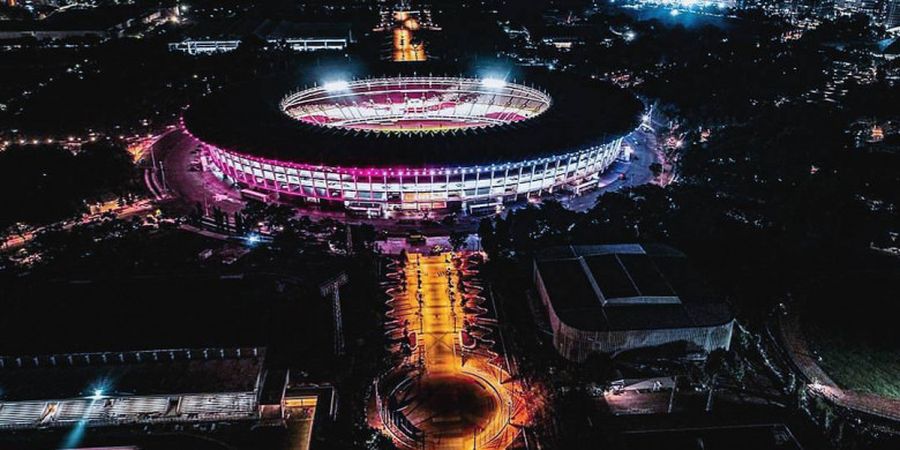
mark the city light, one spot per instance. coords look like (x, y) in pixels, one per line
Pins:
(485, 187)
(335, 86)
(493, 83)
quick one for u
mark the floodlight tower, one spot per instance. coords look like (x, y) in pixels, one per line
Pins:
(332, 288)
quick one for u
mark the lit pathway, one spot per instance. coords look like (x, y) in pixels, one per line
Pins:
(454, 403)
(441, 319)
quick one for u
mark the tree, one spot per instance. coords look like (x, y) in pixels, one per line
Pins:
(45, 183)
(239, 222)
(656, 169)
(219, 218)
(486, 232)
(458, 239)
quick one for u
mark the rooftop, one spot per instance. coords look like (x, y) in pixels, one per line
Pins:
(248, 119)
(627, 287)
(268, 29)
(151, 372)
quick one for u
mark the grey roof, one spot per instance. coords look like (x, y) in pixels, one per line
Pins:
(627, 287)
(73, 375)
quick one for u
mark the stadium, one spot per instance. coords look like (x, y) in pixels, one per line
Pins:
(388, 145)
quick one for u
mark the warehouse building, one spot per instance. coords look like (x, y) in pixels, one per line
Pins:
(614, 298)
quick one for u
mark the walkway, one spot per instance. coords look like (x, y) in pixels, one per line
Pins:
(447, 401)
(441, 317)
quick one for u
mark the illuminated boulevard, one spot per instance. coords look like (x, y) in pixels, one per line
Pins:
(449, 392)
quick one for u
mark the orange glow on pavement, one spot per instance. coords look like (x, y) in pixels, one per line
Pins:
(457, 398)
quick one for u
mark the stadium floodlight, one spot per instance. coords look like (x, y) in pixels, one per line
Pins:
(337, 85)
(98, 394)
(493, 83)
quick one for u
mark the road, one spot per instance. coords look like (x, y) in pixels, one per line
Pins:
(621, 175)
(181, 159)
(124, 212)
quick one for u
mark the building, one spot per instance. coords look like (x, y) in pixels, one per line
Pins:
(135, 387)
(166, 358)
(614, 298)
(871, 8)
(404, 144)
(299, 37)
(884, 13)
(92, 23)
(892, 16)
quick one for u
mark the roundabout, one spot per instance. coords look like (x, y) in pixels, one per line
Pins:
(450, 407)
(443, 393)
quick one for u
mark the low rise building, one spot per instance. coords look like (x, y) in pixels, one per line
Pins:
(614, 298)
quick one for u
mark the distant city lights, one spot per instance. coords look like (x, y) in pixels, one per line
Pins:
(676, 7)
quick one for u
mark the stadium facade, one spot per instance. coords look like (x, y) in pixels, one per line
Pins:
(613, 298)
(388, 145)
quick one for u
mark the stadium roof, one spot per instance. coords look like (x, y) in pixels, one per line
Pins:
(247, 119)
(627, 287)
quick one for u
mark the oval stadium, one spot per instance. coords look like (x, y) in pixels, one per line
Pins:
(391, 145)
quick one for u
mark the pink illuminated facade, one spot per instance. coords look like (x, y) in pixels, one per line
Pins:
(405, 105)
